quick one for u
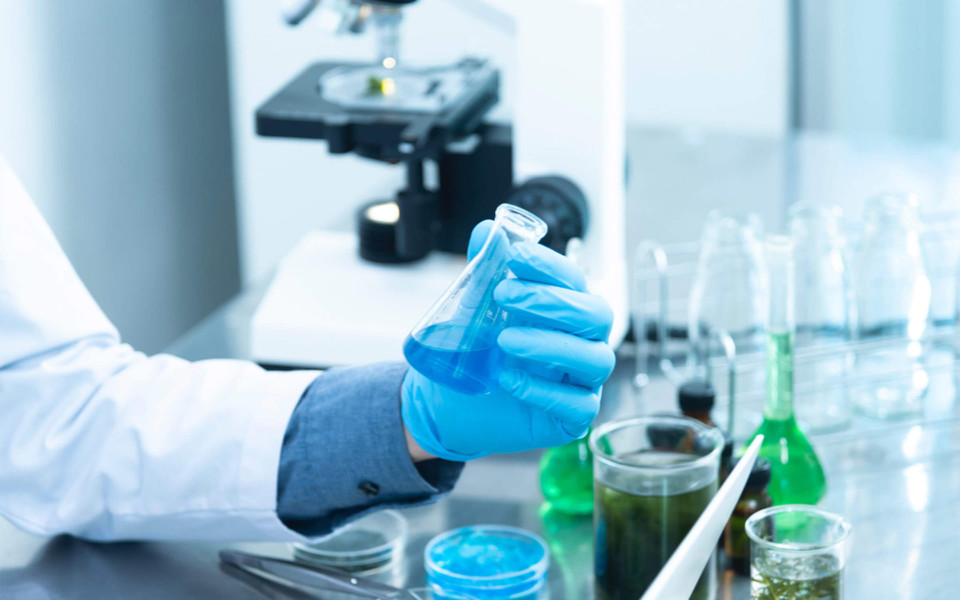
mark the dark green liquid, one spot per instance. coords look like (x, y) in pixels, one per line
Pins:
(780, 584)
(635, 535)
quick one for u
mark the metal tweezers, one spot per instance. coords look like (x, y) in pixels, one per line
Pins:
(262, 573)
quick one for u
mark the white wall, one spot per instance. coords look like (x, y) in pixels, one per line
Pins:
(721, 66)
(885, 67)
(690, 63)
(114, 115)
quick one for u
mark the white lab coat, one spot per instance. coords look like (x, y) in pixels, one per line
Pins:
(100, 441)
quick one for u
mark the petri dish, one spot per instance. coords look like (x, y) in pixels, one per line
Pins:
(367, 546)
(487, 561)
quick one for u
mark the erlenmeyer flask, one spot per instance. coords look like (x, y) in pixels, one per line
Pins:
(455, 343)
(796, 474)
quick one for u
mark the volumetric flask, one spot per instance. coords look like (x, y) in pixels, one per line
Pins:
(796, 551)
(455, 344)
(729, 289)
(823, 301)
(653, 478)
(893, 304)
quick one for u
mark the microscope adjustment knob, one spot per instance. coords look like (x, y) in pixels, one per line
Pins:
(559, 202)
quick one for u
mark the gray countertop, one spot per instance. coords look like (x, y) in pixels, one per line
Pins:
(899, 483)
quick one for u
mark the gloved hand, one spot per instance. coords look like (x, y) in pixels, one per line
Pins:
(557, 362)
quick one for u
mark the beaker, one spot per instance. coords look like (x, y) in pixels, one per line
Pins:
(797, 551)
(653, 478)
(893, 305)
(455, 343)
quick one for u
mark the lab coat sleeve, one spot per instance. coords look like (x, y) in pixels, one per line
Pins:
(353, 412)
(100, 441)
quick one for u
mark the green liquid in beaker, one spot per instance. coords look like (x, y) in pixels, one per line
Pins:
(637, 534)
(566, 477)
(796, 474)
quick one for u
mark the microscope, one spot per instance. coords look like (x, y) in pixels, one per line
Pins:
(337, 301)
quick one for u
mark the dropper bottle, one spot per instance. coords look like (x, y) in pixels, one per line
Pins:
(796, 474)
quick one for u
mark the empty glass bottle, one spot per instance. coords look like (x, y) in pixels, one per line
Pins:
(796, 474)
(823, 307)
(893, 304)
(729, 289)
(455, 343)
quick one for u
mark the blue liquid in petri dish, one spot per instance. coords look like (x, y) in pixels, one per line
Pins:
(464, 359)
(487, 561)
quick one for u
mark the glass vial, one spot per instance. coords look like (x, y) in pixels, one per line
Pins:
(893, 304)
(729, 290)
(455, 343)
(823, 306)
(796, 474)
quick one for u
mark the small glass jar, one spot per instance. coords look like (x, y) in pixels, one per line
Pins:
(487, 561)
(823, 307)
(893, 307)
(797, 551)
(753, 499)
(728, 294)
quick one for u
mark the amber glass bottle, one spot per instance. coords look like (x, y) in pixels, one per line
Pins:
(753, 499)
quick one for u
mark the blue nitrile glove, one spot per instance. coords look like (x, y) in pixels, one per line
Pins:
(558, 361)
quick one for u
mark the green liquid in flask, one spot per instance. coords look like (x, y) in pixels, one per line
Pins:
(796, 474)
(566, 477)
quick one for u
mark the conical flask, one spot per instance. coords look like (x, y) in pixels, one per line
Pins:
(566, 477)
(796, 474)
(455, 343)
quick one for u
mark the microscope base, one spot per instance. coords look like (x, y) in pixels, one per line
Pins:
(328, 307)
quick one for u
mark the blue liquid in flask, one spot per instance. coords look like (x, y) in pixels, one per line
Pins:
(463, 358)
(455, 344)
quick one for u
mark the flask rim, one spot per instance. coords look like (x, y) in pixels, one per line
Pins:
(521, 222)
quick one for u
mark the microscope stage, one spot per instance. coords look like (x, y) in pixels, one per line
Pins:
(391, 115)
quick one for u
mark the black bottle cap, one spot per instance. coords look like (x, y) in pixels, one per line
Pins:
(666, 437)
(696, 396)
(759, 477)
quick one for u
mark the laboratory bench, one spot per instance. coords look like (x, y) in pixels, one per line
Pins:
(897, 482)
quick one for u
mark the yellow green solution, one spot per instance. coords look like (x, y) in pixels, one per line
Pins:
(797, 579)
(796, 474)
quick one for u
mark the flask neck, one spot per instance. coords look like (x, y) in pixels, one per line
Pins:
(780, 329)
(779, 361)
